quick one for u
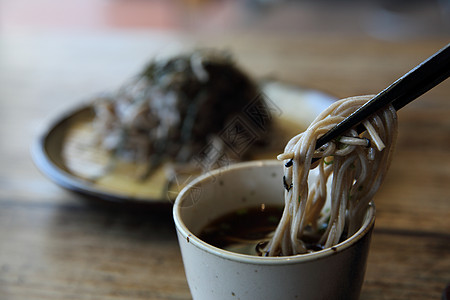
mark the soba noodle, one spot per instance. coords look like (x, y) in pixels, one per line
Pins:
(174, 112)
(355, 164)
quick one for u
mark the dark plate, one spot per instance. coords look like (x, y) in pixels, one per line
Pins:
(66, 151)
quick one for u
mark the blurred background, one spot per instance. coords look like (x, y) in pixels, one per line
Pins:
(108, 41)
(385, 19)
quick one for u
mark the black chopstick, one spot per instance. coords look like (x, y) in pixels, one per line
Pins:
(413, 84)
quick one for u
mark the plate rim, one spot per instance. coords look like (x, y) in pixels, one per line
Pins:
(73, 183)
(68, 181)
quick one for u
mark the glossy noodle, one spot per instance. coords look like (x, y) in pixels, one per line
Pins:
(354, 166)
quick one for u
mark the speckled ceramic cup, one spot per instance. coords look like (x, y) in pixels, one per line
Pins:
(216, 274)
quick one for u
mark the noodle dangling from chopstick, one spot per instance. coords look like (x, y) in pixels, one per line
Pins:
(355, 164)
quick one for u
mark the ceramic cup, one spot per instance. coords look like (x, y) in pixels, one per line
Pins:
(216, 274)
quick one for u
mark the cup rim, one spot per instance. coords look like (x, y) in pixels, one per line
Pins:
(365, 228)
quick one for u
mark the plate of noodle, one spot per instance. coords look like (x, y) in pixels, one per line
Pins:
(178, 118)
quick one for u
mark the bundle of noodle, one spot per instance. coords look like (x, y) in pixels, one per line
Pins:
(174, 109)
(354, 166)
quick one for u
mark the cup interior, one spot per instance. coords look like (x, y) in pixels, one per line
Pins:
(225, 190)
(235, 187)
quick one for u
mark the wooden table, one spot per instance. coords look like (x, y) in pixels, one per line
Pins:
(58, 245)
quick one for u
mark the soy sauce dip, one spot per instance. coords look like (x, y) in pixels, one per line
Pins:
(243, 231)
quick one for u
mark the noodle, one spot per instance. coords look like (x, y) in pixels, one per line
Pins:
(174, 112)
(354, 165)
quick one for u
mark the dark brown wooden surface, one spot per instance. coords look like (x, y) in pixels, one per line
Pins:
(58, 245)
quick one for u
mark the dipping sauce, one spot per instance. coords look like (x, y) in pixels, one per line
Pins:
(245, 230)
(248, 230)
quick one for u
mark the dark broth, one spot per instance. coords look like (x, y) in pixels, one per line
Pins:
(242, 231)
(248, 230)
